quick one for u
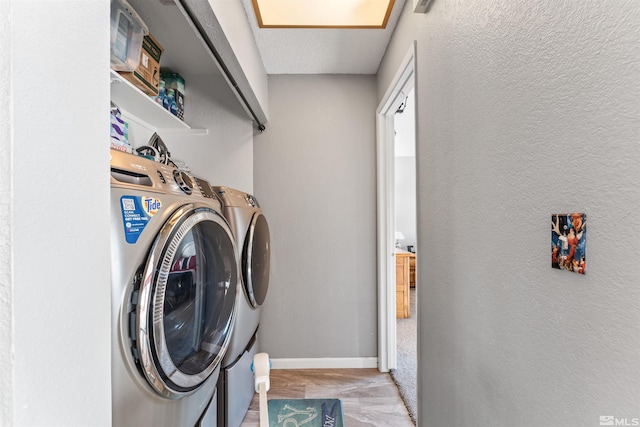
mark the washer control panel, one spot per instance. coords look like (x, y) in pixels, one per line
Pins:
(139, 172)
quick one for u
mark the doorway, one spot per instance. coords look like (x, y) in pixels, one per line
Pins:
(395, 234)
(401, 85)
(405, 372)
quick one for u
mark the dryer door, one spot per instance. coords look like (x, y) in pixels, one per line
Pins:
(186, 303)
(256, 259)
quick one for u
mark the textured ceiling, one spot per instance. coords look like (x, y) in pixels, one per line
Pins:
(322, 51)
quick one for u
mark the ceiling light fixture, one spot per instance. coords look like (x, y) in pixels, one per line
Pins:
(322, 13)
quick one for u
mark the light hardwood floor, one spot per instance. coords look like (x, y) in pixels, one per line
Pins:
(369, 397)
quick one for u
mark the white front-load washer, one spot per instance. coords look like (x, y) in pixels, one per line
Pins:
(175, 288)
(249, 225)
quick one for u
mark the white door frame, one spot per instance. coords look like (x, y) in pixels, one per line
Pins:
(401, 85)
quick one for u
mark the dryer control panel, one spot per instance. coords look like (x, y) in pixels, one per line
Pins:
(235, 198)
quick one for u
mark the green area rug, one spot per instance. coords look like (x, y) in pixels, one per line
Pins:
(305, 412)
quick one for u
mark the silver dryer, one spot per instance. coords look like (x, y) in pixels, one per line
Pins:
(249, 225)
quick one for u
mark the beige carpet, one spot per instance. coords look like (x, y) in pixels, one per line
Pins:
(406, 372)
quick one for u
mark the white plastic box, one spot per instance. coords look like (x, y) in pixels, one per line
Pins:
(127, 32)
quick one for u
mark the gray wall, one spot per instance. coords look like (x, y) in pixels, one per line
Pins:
(315, 178)
(525, 109)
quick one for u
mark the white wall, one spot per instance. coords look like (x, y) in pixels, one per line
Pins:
(224, 155)
(315, 179)
(405, 199)
(55, 293)
(525, 109)
(6, 292)
(405, 171)
(233, 20)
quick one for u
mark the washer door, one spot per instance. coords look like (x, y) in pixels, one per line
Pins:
(186, 302)
(256, 259)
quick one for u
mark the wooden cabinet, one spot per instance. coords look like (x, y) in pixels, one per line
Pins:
(403, 269)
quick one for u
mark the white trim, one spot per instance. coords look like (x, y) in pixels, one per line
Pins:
(325, 363)
(402, 83)
(386, 242)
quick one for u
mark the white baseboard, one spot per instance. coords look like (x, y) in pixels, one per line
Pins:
(325, 363)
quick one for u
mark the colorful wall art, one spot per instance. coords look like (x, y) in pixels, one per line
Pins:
(568, 242)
